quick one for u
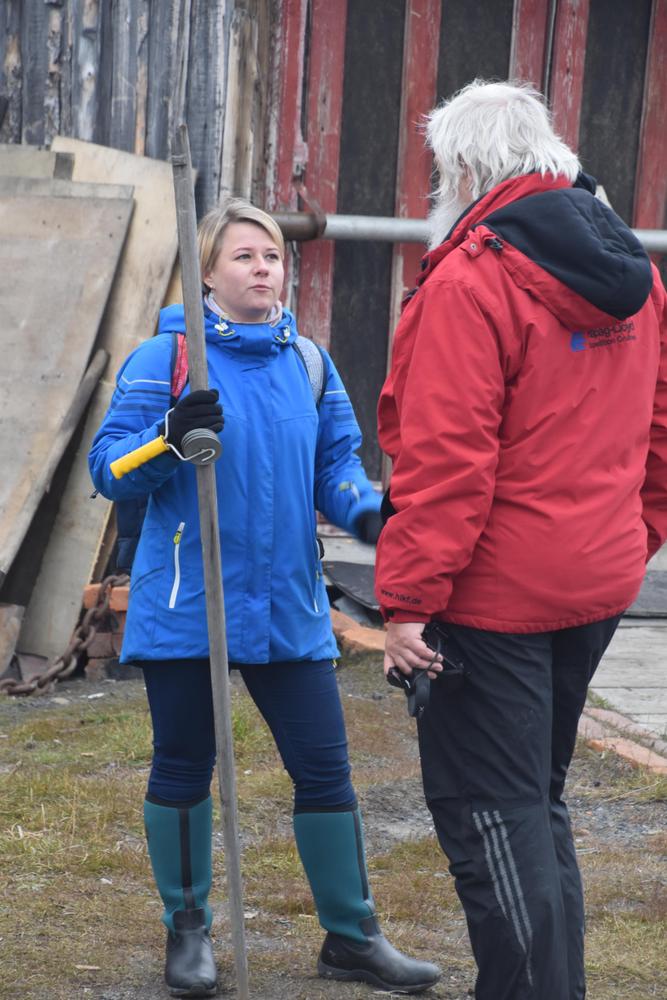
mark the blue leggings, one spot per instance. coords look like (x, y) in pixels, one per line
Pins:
(299, 702)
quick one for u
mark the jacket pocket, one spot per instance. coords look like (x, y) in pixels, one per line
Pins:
(177, 565)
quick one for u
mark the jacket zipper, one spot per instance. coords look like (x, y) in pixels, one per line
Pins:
(318, 556)
(177, 565)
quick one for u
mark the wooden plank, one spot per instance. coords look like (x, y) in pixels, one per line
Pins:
(168, 60)
(651, 179)
(287, 152)
(529, 31)
(242, 85)
(205, 98)
(414, 161)
(611, 106)
(68, 247)
(105, 71)
(265, 19)
(567, 68)
(65, 88)
(13, 73)
(141, 88)
(161, 56)
(86, 44)
(40, 187)
(33, 40)
(123, 81)
(325, 109)
(53, 80)
(11, 616)
(131, 315)
(43, 466)
(33, 161)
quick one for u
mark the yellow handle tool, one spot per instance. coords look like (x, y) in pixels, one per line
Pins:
(138, 457)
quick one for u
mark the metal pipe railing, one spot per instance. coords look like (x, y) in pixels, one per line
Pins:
(309, 226)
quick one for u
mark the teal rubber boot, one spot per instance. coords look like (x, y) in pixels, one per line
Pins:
(179, 844)
(331, 847)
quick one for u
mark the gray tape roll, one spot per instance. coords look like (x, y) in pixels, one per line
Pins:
(201, 446)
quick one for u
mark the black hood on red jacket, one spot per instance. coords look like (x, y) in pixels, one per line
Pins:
(582, 243)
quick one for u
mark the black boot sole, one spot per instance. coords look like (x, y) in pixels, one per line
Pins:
(364, 976)
(196, 990)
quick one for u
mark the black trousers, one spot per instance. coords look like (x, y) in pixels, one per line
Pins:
(495, 756)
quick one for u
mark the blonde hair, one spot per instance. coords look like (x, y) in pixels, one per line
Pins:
(489, 132)
(211, 230)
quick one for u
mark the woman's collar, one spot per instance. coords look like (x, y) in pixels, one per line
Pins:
(274, 317)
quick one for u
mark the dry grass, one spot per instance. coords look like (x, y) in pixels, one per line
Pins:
(77, 889)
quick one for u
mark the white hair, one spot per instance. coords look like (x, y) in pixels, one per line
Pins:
(487, 133)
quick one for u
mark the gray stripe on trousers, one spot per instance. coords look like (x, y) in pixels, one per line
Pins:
(498, 868)
(517, 885)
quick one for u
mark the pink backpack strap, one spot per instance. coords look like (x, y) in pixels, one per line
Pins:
(179, 367)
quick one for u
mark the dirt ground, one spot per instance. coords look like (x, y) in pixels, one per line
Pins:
(89, 926)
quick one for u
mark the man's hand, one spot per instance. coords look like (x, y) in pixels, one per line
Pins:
(404, 648)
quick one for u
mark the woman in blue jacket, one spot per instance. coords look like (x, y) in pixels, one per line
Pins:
(284, 455)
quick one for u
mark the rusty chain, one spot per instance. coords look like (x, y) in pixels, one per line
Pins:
(67, 662)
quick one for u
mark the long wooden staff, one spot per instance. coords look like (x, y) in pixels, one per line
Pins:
(210, 543)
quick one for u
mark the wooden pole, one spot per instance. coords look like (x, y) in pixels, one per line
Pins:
(210, 542)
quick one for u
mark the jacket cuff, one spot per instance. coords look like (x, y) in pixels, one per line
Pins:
(399, 615)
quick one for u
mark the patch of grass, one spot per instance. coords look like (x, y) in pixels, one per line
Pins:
(597, 701)
(77, 887)
(610, 778)
(626, 956)
(83, 736)
(253, 742)
(411, 883)
(623, 881)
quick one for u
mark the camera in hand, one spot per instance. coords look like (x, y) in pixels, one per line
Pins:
(417, 686)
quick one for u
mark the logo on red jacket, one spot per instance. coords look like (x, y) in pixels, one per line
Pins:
(603, 336)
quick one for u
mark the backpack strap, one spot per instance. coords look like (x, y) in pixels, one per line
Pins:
(179, 365)
(313, 361)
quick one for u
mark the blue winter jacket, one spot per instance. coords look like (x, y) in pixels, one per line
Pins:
(282, 458)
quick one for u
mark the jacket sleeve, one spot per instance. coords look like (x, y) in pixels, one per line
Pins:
(448, 393)
(342, 489)
(654, 490)
(138, 406)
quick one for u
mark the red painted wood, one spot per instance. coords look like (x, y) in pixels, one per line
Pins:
(324, 107)
(414, 165)
(651, 180)
(567, 68)
(288, 153)
(418, 94)
(529, 30)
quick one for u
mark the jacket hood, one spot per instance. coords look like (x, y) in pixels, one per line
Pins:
(256, 337)
(568, 233)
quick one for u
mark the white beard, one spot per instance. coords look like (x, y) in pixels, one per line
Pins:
(441, 218)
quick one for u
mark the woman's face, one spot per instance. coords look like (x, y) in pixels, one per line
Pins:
(247, 276)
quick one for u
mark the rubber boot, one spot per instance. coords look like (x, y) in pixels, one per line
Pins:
(331, 848)
(179, 845)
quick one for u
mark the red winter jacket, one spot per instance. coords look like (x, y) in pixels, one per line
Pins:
(526, 417)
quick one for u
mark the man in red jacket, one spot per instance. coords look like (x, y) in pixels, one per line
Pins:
(526, 418)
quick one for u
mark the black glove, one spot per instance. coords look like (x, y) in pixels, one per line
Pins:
(368, 527)
(199, 409)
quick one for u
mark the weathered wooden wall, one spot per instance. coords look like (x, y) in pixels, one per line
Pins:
(122, 73)
(303, 102)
